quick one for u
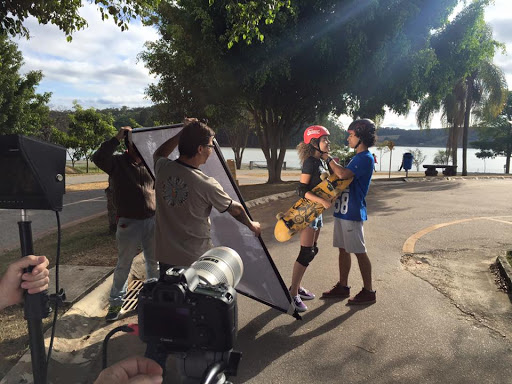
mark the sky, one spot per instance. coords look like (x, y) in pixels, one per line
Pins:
(99, 68)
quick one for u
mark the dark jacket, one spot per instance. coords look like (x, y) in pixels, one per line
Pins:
(134, 192)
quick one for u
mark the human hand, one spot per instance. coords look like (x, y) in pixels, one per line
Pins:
(256, 228)
(133, 370)
(325, 203)
(122, 133)
(15, 280)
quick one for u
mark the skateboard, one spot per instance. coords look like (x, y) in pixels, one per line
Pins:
(304, 211)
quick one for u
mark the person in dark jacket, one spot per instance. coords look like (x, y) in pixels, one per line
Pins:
(134, 198)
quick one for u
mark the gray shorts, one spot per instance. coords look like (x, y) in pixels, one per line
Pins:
(349, 235)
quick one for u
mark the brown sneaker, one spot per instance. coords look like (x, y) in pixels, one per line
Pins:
(337, 292)
(362, 298)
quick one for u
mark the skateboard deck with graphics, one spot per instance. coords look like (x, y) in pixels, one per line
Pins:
(304, 211)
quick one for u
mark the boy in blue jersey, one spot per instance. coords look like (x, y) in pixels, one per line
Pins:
(350, 213)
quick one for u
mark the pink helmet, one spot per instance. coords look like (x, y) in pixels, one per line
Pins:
(315, 132)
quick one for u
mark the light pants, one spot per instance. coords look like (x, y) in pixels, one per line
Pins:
(131, 233)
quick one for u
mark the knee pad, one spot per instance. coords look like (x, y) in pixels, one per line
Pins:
(306, 255)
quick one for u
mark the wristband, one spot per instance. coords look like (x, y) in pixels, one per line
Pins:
(329, 159)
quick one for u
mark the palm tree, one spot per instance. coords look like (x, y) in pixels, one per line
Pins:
(483, 91)
(486, 93)
(452, 116)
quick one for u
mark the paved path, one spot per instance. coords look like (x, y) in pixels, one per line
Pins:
(424, 328)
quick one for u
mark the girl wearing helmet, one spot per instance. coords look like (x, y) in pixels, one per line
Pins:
(315, 144)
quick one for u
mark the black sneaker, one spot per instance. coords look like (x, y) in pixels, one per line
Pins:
(113, 313)
(337, 292)
(363, 298)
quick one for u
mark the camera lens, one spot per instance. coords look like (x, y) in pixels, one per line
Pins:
(220, 265)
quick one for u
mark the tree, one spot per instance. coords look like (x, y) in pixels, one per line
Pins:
(343, 153)
(339, 56)
(87, 130)
(441, 157)
(452, 116)
(237, 133)
(485, 90)
(417, 158)
(245, 18)
(468, 81)
(68, 142)
(65, 14)
(496, 134)
(22, 110)
(390, 145)
(382, 147)
(484, 155)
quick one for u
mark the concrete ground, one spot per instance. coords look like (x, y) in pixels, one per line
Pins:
(439, 317)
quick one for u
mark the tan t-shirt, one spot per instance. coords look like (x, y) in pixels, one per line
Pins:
(184, 200)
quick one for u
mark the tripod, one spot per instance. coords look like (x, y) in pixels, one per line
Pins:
(36, 308)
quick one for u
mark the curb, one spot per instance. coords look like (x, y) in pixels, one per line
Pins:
(268, 199)
(505, 268)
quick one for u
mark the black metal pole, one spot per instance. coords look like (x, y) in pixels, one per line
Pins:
(36, 308)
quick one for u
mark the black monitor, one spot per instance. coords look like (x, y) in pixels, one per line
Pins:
(32, 173)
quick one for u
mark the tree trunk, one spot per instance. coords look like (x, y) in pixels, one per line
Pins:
(453, 145)
(238, 157)
(238, 141)
(71, 158)
(274, 129)
(507, 156)
(467, 116)
(275, 165)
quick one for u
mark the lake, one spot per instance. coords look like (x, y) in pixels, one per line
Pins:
(474, 164)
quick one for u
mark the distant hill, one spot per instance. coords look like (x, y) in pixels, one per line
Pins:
(147, 117)
(434, 137)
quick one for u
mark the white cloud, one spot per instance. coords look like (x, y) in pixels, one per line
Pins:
(99, 67)
(502, 30)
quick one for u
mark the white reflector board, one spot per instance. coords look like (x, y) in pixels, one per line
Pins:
(261, 280)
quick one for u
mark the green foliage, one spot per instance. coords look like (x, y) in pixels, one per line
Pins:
(333, 124)
(245, 18)
(342, 152)
(340, 56)
(465, 78)
(87, 130)
(441, 157)
(237, 133)
(417, 157)
(22, 110)
(65, 14)
(485, 154)
(496, 134)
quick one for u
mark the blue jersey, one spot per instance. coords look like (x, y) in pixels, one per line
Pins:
(351, 205)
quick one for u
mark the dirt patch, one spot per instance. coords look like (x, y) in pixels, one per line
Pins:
(466, 277)
(86, 186)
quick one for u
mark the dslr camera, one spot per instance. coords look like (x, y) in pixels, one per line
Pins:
(192, 312)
